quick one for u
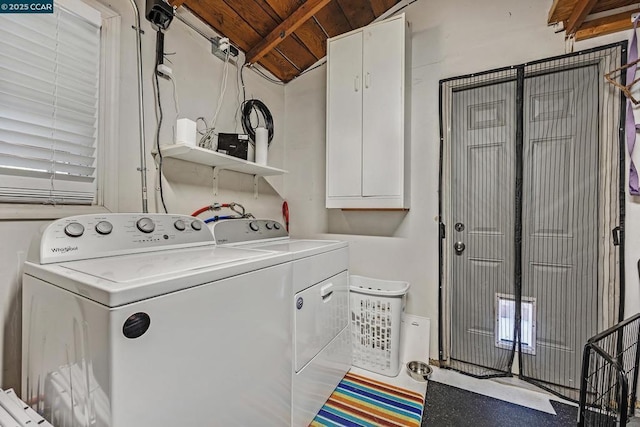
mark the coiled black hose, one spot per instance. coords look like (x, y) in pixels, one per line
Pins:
(247, 109)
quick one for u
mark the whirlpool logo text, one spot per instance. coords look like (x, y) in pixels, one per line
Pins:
(64, 250)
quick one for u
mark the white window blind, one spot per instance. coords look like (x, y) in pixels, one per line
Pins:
(49, 81)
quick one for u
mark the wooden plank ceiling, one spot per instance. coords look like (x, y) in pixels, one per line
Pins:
(585, 19)
(285, 36)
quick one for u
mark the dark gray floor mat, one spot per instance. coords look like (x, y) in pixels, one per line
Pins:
(450, 406)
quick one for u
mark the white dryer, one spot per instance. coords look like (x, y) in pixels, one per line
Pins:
(136, 320)
(321, 350)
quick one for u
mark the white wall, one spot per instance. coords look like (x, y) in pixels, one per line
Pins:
(449, 38)
(187, 187)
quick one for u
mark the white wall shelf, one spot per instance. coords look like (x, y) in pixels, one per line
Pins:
(215, 159)
(219, 161)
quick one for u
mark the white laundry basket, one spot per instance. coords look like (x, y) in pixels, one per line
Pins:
(376, 315)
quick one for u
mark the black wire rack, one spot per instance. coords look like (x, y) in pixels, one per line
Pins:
(610, 375)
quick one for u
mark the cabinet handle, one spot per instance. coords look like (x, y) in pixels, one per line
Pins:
(367, 80)
(356, 83)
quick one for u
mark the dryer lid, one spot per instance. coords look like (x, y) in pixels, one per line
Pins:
(301, 248)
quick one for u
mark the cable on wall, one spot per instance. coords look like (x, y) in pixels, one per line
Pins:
(259, 72)
(241, 93)
(143, 150)
(206, 140)
(259, 107)
(159, 126)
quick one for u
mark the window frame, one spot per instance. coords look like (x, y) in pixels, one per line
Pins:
(108, 128)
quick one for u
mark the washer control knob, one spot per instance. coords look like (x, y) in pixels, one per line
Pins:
(179, 225)
(74, 229)
(276, 226)
(269, 225)
(145, 225)
(196, 225)
(254, 226)
(104, 227)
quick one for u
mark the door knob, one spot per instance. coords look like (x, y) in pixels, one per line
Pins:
(458, 247)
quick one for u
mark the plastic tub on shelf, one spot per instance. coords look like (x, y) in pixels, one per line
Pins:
(376, 315)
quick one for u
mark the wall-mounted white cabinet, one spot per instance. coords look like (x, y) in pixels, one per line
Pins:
(367, 117)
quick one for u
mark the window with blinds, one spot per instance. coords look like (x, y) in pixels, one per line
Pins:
(49, 86)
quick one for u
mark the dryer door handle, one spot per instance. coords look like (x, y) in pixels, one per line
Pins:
(326, 291)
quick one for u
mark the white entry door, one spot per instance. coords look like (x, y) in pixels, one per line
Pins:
(481, 238)
(538, 240)
(560, 219)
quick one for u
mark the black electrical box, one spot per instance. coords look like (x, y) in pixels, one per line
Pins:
(159, 13)
(233, 144)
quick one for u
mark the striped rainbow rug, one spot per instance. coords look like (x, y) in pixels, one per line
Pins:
(360, 401)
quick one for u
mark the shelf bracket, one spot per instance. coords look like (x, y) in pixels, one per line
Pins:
(255, 186)
(216, 172)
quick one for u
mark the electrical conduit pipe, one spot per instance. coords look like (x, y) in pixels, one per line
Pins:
(143, 148)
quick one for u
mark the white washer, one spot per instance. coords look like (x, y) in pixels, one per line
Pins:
(319, 302)
(141, 321)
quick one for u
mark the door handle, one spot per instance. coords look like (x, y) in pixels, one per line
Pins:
(367, 80)
(458, 247)
(326, 291)
(356, 83)
(616, 236)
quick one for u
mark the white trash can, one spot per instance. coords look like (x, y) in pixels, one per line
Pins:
(376, 315)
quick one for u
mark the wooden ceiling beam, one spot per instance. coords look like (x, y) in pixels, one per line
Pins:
(333, 19)
(286, 27)
(381, 6)
(283, 8)
(358, 12)
(275, 63)
(607, 25)
(552, 19)
(309, 34)
(561, 10)
(239, 32)
(177, 3)
(612, 5)
(580, 12)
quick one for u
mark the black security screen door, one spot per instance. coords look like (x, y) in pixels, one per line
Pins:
(531, 181)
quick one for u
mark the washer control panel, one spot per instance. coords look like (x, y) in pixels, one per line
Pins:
(92, 236)
(246, 230)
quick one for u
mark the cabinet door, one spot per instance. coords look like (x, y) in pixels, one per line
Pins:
(344, 116)
(383, 109)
